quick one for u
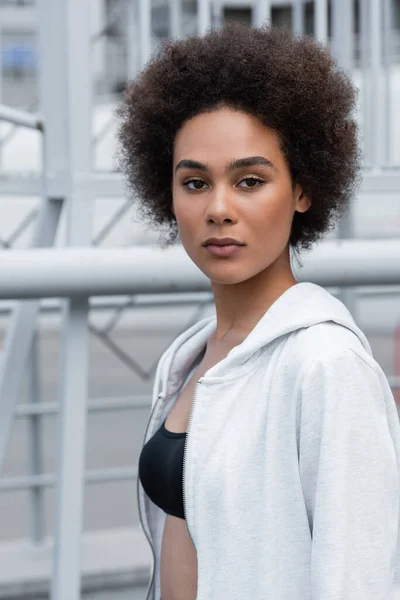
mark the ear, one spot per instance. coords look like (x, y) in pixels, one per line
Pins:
(303, 202)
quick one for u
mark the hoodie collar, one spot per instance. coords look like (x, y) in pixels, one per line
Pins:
(302, 305)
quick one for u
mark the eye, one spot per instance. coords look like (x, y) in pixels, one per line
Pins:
(197, 184)
(252, 182)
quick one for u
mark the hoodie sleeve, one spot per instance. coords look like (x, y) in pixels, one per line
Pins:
(350, 478)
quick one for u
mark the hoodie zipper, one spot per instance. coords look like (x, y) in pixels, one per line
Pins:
(185, 452)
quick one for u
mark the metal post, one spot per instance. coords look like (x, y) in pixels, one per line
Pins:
(145, 30)
(67, 108)
(343, 32)
(346, 231)
(366, 82)
(297, 17)
(203, 16)
(387, 62)
(217, 16)
(377, 122)
(35, 449)
(261, 12)
(343, 35)
(132, 35)
(175, 18)
(1, 82)
(321, 20)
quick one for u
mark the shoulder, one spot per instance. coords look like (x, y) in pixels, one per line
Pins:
(323, 342)
(332, 357)
(340, 380)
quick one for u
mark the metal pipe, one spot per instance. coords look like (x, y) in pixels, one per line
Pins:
(53, 305)
(44, 409)
(9, 484)
(71, 272)
(83, 272)
(21, 117)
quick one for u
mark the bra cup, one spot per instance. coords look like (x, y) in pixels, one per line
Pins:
(160, 470)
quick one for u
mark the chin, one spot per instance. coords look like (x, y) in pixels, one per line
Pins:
(228, 274)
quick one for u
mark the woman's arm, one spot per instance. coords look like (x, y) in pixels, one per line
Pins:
(349, 467)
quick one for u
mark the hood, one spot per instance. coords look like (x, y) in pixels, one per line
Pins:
(302, 305)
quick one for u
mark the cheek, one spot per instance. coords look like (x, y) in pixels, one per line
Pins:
(186, 217)
(186, 208)
(271, 213)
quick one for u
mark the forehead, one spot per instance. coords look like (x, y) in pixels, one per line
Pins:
(217, 137)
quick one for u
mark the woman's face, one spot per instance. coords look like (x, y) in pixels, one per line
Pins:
(230, 179)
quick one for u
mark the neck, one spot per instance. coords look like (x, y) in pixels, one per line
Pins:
(240, 306)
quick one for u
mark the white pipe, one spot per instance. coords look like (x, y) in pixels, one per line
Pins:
(43, 272)
(20, 117)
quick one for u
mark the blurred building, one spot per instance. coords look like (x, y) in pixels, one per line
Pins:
(114, 60)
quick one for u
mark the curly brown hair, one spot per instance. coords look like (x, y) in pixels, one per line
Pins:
(291, 83)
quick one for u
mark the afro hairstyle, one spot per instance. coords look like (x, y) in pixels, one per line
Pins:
(291, 83)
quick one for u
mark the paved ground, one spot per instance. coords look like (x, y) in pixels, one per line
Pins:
(116, 562)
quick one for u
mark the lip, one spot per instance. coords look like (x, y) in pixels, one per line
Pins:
(226, 241)
(223, 250)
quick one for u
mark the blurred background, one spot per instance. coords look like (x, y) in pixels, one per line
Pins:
(127, 333)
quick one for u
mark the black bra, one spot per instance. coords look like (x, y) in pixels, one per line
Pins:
(160, 470)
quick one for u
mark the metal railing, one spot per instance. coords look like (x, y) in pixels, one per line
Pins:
(85, 272)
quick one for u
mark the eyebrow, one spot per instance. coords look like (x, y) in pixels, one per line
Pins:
(249, 161)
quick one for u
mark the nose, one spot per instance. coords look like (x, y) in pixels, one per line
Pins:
(220, 208)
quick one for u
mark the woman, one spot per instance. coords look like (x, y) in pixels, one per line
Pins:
(270, 465)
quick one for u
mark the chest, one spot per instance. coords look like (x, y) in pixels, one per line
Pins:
(242, 449)
(178, 417)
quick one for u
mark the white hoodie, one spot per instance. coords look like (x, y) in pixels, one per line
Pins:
(292, 458)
